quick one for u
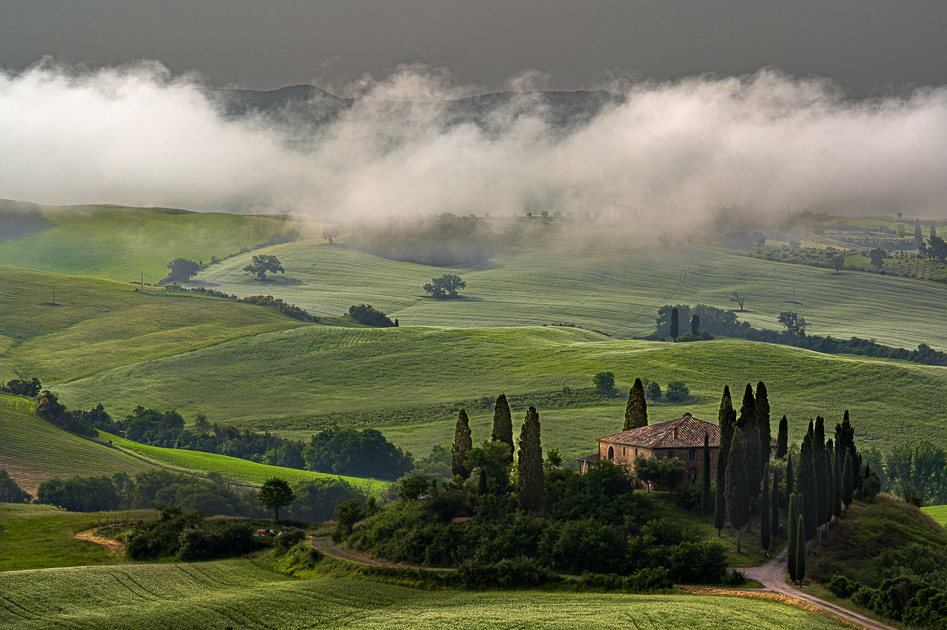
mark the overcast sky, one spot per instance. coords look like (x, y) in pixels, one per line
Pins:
(867, 46)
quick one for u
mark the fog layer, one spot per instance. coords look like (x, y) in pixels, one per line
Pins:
(136, 135)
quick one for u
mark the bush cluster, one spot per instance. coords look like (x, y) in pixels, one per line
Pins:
(365, 314)
(290, 310)
(910, 600)
(187, 536)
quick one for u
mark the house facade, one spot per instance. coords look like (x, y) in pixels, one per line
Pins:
(682, 438)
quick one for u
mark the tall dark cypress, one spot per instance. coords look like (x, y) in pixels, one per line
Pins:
(503, 424)
(482, 488)
(845, 437)
(737, 490)
(790, 477)
(726, 417)
(818, 467)
(706, 497)
(462, 445)
(747, 423)
(762, 423)
(782, 438)
(806, 486)
(636, 411)
(830, 484)
(720, 502)
(774, 507)
(847, 483)
(765, 511)
(802, 551)
(675, 325)
(792, 538)
(530, 478)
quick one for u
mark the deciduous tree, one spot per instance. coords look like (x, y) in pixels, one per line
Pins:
(261, 264)
(274, 494)
(445, 287)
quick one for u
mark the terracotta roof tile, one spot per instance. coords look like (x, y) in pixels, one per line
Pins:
(686, 432)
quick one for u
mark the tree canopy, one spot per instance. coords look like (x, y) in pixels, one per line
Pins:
(445, 287)
(261, 264)
(275, 494)
(182, 269)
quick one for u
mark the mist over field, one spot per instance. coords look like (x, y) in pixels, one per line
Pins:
(137, 135)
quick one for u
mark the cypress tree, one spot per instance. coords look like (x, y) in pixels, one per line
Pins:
(782, 438)
(675, 328)
(765, 511)
(847, 483)
(762, 423)
(837, 484)
(790, 477)
(503, 424)
(792, 538)
(482, 489)
(695, 324)
(801, 551)
(462, 444)
(706, 498)
(818, 477)
(636, 411)
(531, 480)
(737, 490)
(720, 502)
(830, 483)
(774, 507)
(747, 423)
(726, 417)
(845, 438)
(805, 487)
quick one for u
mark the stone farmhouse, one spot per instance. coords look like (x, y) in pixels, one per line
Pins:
(682, 438)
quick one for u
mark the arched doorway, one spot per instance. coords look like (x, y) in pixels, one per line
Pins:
(611, 453)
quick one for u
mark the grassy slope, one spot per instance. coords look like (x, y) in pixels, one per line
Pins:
(232, 467)
(319, 370)
(937, 512)
(99, 324)
(41, 536)
(586, 278)
(33, 450)
(121, 243)
(236, 593)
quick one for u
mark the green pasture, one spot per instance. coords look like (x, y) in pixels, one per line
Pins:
(232, 467)
(238, 594)
(121, 243)
(323, 370)
(937, 512)
(32, 450)
(43, 536)
(592, 279)
(97, 325)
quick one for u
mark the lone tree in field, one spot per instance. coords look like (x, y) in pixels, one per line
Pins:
(445, 287)
(462, 445)
(837, 262)
(503, 424)
(330, 234)
(636, 411)
(675, 324)
(739, 298)
(275, 494)
(531, 480)
(604, 383)
(182, 270)
(261, 264)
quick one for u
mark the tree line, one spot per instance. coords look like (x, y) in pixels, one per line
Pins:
(722, 322)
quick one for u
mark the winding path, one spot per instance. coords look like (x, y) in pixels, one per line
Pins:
(773, 577)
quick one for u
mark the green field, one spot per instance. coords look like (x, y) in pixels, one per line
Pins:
(97, 325)
(324, 370)
(42, 536)
(586, 277)
(121, 243)
(238, 594)
(232, 467)
(32, 450)
(937, 512)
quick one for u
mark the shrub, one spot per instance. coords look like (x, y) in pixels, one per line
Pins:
(843, 587)
(366, 314)
(289, 538)
(204, 542)
(677, 391)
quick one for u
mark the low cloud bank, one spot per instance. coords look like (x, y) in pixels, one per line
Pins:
(137, 135)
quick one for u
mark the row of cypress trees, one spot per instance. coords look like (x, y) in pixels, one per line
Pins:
(531, 480)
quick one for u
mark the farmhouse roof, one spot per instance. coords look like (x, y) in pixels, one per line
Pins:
(685, 432)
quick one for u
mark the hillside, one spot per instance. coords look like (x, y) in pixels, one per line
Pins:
(97, 325)
(319, 370)
(121, 243)
(32, 450)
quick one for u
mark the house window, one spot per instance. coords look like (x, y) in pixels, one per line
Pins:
(692, 455)
(623, 451)
(636, 453)
(611, 453)
(670, 454)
